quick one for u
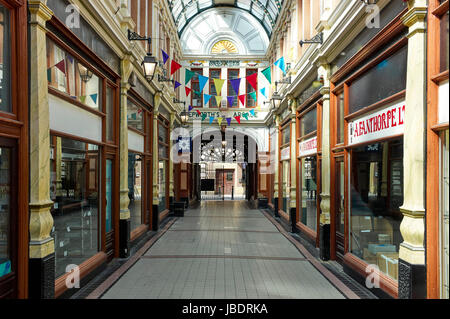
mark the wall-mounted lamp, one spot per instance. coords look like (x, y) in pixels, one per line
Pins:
(276, 100)
(149, 64)
(85, 73)
(318, 38)
(286, 80)
(162, 78)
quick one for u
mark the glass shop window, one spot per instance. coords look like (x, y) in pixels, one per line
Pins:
(376, 195)
(135, 118)
(74, 189)
(162, 185)
(286, 183)
(250, 100)
(232, 75)
(286, 135)
(340, 118)
(308, 212)
(5, 60)
(444, 214)
(308, 122)
(110, 102)
(213, 74)
(444, 39)
(196, 96)
(382, 81)
(135, 188)
(69, 76)
(5, 211)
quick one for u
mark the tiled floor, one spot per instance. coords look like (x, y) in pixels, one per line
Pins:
(223, 250)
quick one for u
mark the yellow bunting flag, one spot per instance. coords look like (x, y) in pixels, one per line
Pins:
(218, 100)
(219, 120)
(218, 83)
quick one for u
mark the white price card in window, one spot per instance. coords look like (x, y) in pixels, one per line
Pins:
(89, 213)
(68, 229)
(56, 206)
(65, 253)
(61, 244)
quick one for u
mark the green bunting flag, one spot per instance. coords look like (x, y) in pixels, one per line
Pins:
(267, 73)
(188, 76)
(83, 99)
(204, 116)
(245, 115)
(253, 95)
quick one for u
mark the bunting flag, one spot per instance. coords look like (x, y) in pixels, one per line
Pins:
(242, 99)
(218, 100)
(83, 99)
(94, 98)
(202, 81)
(61, 66)
(174, 67)
(190, 108)
(211, 119)
(252, 112)
(177, 84)
(70, 58)
(280, 63)
(230, 100)
(219, 120)
(165, 56)
(229, 121)
(253, 80)
(218, 83)
(268, 74)
(188, 91)
(235, 83)
(207, 97)
(263, 92)
(204, 116)
(198, 112)
(238, 119)
(253, 95)
(245, 115)
(49, 74)
(188, 76)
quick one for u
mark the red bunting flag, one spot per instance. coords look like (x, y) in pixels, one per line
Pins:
(242, 99)
(188, 91)
(238, 119)
(253, 80)
(174, 67)
(198, 112)
(62, 66)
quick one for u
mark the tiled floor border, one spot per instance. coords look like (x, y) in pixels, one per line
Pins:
(222, 256)
(346, 291)
(100, 290)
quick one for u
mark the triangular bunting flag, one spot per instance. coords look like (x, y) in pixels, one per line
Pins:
(280, 63)
(211, 119)
(177, 84)
(238, 119)
(245, 115)
(218, 83)
(94, 98)
(49, 74)
(242, 98)
(174, 67)
(219, 120)
(83, 99)
(198, 112)
(206, 97)
(202, 82)
(263, 92)
(253, 80)
(188, 76)
(235, 83)
(190, 108)
(230, 100)
(204, 115)
(165, 56)
(252, 112)
(253, 95)
(267, 73)
(188, 91)
(229, 121)
(218, 100)
(62, 66)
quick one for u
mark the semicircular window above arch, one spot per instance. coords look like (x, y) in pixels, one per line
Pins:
(223, 47)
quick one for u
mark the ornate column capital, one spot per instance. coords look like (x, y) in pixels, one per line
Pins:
(415, 18)
(39, 13)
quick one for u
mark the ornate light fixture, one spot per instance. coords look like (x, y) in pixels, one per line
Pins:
(276, 100)
(149, 64)
(85, 73)
(318, 38)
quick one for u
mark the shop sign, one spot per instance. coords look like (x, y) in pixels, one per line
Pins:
(382, 124)
(308, 147)
(286, 153)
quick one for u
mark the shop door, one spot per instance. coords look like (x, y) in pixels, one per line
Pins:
(339, 204)
(8, 219)
(225, 182)
(109, 207)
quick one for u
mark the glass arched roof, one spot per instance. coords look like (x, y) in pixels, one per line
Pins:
(265, 11)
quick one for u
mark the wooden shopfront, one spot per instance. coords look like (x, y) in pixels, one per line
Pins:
(14, 171)
(84, 154)
(284, 169)
(309, 134)
(140, 161)
(367, 112)
(163, 167)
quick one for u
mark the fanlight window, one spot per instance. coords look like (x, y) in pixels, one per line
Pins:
(223, 47)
